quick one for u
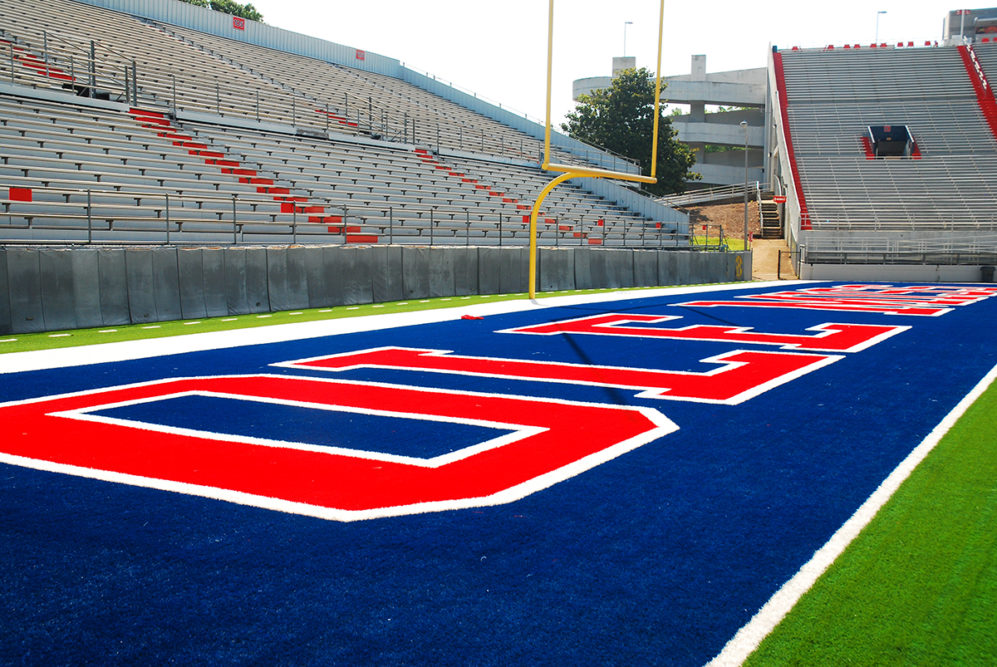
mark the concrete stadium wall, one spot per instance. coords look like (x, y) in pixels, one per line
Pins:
(50, 289)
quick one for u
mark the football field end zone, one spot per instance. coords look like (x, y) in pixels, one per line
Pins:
(635, 295)
(15, 362)
(751, 635)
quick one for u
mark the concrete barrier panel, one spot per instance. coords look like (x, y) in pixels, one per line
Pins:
(668, 267)
(277, 278)
(359, 272)
(619, 267)
(385, 265)
(56, 272)
(257, 282)
(465, 271)
(86, 288)
(441, 271)
(514, 270)
(213, 268)
(140, 279)
(24, 279)
(317, 279)
(489, 270)
(167, 283)
(415, 272)
(113, 276)
(234, 268)
(337, 266)
(297, 278)
(191, 275)
(557, 269)
(645, 268)
(5, 325)
(706, 267)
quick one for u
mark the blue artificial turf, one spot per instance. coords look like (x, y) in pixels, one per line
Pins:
(657, 556)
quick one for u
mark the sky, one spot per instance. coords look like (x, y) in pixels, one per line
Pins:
(498, 50)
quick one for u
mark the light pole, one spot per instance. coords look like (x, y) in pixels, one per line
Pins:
(878, 14)
(625, 24)
(744, 126)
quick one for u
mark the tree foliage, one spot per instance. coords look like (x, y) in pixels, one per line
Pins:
(621, 119)
(246, 11)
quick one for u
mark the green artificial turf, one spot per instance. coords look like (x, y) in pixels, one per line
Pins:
(112, 334)
(919, 584)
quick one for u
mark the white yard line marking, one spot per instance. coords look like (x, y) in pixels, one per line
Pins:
(750, 636)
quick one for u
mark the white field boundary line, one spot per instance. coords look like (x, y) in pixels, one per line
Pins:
(16, 362)
(750, 636)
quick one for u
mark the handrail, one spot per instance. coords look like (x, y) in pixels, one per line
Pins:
(710, 194)
(166, 217)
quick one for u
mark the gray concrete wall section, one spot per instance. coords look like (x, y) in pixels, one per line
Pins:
(166, 283)
(213, 272)
(415, 272)
(287, 278)
(141, 285)
(86, 288)
(489, 278)
(645, 268)
(192, 284)
(24, 282)
(513, 267)
(465, 271)
(442, 281)
(357, 273)
(556, 269)
(321, 282)
(5, 324)
(113, 285)
(58, 309)
(385, 264)
(45, 289)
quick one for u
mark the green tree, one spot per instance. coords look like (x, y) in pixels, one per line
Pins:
(621, 119)
(246, 11)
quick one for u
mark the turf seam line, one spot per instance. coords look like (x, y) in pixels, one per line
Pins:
(750, 636)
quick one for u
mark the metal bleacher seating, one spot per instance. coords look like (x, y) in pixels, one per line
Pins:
(949, 183)
(125, 160)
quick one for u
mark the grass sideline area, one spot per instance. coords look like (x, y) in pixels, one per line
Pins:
(51, 340)
(918, 586)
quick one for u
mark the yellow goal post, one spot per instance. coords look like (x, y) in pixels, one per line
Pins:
(567, 171)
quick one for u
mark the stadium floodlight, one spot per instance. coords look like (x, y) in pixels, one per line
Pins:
(567, 171)
(878, 14)
(625, 24)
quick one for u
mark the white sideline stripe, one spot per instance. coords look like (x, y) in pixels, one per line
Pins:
(16, 362)
(750, 636)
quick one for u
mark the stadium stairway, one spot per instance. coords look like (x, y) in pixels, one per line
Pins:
(497, 194)
(294, 204)
(981, 86)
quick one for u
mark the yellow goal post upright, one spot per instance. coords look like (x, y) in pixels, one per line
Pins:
(567, 171)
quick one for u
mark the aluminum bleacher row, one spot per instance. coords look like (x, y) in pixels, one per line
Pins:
(950, 183)
(98, 174)
(189, 70)
(171, 135)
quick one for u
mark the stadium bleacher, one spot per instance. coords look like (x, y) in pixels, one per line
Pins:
(933, 204)
(168, 134)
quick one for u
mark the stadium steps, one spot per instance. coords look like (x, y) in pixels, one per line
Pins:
(771, 220)
(293, 204)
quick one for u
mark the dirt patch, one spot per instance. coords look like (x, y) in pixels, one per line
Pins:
(728, 216)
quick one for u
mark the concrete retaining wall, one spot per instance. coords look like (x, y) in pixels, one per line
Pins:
(48, 289)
